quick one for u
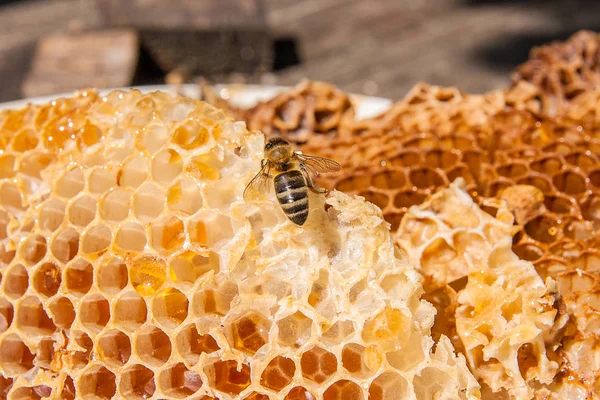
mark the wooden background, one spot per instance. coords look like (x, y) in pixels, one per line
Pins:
(378, 47)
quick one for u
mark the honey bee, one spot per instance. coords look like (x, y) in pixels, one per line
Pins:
(291, 178)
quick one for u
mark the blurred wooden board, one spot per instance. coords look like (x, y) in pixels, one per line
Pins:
(378, 47)
(67, 62)
(198, 37)
(184, 15)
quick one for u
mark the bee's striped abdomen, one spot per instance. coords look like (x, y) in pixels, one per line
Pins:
(292, 194)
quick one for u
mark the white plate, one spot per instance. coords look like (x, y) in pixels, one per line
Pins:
(239, 95)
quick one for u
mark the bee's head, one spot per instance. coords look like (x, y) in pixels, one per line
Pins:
(278, 150)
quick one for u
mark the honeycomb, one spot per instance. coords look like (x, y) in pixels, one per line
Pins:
(132, 268)
(504, 311)
(532, 150)
(563, 70)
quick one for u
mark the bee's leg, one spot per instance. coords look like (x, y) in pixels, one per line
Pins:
(310, 183)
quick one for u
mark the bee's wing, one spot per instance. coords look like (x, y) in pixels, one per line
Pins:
(259, 184)
(318, 165)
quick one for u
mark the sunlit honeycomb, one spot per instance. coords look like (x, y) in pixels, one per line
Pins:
(132, 268)
(534, 146)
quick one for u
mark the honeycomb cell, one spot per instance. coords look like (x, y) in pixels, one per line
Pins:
(203, 168)
(33, 249)
(96, 240)
(189, 266)
(133, 173)
(191, 345)
(318, 364)
(190, 135)
(590, 209)
(170, 307)
(389, 329)
(381, 200)
(101, 180)
(588, 261)
(294, 330)
(4, 221)
(52, 214)
(147, 273)
(16, 281)
(65, 244)
(94, 312)
(226, 377)
(354, 183)
(15, 357)
(82, 211)
(166, 166)
(115, 205)
(594, 177)
(26, 139)
(130, 238)
(62, 311)
(5, 386)
(154, 137)
(7, 166)
(405, 158)
(32, 318)
(549, 165)
(112, 276)
(33, 164)
(441, 159)
(561, 204)
(430, 382)
(10, 198)
(215, 301)
(137, 382)
(409, 198)
(528, 252)
(299, 393)
(540, 182)
(45, 353)
(6, 256)
(460, 171)
(512, 170)
(424, 178)
(32, 393)
(113, 348)
(389, 386)
(360, 361)
(570, 182)
(394, 219)
(184, 196)
(581, 160)
(250, 332)
(6, 314)
(278, 373)
(130, 311)
(389, 179)
(148, 202)
(153, 346)
(343, 390)
(168, 234)
(97, 382)
(68, 390)
(82, 357)
(543, 229)
(79, 276)
(178, 382)
(338, 332)
(71, 183)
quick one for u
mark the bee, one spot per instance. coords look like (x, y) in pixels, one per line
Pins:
(291, 179)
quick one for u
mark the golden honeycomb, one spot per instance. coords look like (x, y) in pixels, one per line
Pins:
(533, 148)
(132, 268)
